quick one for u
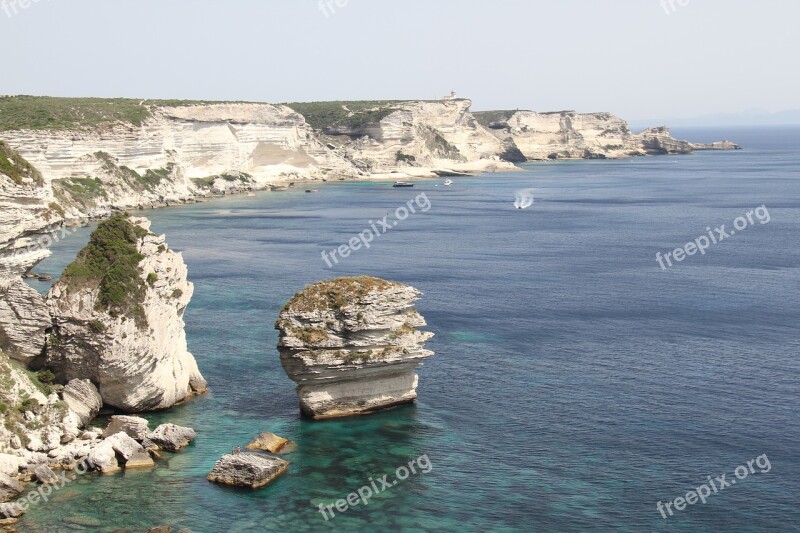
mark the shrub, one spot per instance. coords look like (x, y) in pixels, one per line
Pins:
(46, 377)
(152, 277)
(111, 262)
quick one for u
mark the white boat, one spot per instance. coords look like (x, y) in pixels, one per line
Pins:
(448, 182)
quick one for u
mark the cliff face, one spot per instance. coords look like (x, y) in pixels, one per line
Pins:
(27, 213)
(421, 137)
(123, 328)
(571, 135)
(352, 346)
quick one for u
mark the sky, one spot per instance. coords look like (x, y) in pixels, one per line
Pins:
(635, 58)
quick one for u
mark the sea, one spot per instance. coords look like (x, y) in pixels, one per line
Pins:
(579, 384)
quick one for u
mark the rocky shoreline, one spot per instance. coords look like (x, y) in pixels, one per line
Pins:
(109, 334)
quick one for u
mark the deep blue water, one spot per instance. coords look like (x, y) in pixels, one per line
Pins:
(575, 383)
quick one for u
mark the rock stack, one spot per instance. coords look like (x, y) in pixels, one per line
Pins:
(352, 346)
(122, 327)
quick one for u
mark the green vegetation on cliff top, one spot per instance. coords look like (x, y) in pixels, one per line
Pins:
(111, 262)
(53, 113)
(335, 294)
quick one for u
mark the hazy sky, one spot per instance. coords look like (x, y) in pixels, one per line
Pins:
(636, 58)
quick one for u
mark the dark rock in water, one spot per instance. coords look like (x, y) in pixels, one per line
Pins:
(247, 470)
(172, 438)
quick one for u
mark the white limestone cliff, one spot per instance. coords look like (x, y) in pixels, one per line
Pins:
(352, 346)
(571, 135)
(139, 360)
(27, 213)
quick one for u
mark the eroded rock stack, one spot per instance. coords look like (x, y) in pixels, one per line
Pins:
(352, 345)
(119, 319)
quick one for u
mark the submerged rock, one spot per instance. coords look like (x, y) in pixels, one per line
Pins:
(171, 438)
(352, 345)
(247, 470)
(270, 442)
(118, 315)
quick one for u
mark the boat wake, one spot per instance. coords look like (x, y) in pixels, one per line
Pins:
(524, 199)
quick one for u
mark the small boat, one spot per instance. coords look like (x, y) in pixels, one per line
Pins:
(448, 182)
(312, 190)
(279, 188)
(402, 184)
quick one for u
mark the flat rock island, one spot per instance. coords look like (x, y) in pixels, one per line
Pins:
(352, 345)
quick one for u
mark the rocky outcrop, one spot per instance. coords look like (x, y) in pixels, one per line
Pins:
(247, 470)
(24, 321)
(270, 442)
(419, 139)
(352, 346)
(571, 135)
(719, 145)
(122, 327)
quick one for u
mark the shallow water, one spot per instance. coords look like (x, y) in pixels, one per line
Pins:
(575, 383)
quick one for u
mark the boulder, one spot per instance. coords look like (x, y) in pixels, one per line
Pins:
(45, 475)
(270, 442)
(133, 426)
(103, 458)
(83, 398)
(23, 321)
(11, 511)
(10, 465)
(247, 470)
(172, 438)
(352, 345)
(10, 488)
(125, 447)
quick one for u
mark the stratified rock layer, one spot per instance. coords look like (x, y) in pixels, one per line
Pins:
(352, 346)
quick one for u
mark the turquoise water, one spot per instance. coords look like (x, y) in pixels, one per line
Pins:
(575, 383)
